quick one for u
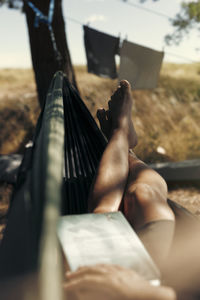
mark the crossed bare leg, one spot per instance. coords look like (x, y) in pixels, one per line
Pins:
(146, 191)
(111, 177)
(123, 181)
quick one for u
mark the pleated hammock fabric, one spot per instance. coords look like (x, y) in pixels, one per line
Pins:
(54, 178)
(84, 145)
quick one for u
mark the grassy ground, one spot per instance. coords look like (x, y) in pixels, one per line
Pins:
(19, 109)
(167, 116)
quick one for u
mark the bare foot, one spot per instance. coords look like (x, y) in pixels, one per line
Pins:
(119, 113)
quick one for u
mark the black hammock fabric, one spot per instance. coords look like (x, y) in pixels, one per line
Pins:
(83, 143)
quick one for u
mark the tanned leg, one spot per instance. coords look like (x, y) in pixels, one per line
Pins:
(111, 178)
(145, 196)
(145, 199)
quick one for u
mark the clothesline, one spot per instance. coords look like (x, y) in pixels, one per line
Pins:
(154, 12)
(168, 53)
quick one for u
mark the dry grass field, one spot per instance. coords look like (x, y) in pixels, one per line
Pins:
(167, 116)
(19, 109)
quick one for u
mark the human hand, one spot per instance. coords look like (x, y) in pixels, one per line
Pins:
(111, 282)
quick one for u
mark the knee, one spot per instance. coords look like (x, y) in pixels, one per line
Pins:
(140, 192)
(145, 195)
(144, 203)
(151, 202)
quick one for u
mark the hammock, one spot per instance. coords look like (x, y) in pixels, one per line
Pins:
(54, 178)
(56, 172)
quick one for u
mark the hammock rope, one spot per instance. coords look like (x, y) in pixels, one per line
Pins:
(41, 18)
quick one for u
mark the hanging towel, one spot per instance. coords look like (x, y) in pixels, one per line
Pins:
(100, 52)
(140, 65)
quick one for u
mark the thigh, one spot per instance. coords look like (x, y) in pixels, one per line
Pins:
(157, 237)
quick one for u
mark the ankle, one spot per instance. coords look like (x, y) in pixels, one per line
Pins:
(122, 125)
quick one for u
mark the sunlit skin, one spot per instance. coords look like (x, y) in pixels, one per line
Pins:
(121, 175)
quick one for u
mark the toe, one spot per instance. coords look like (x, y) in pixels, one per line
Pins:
(125, 84)
(108, 114)
(110, 104)
(101, 115)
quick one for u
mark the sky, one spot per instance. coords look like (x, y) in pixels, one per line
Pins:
(114, 17)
